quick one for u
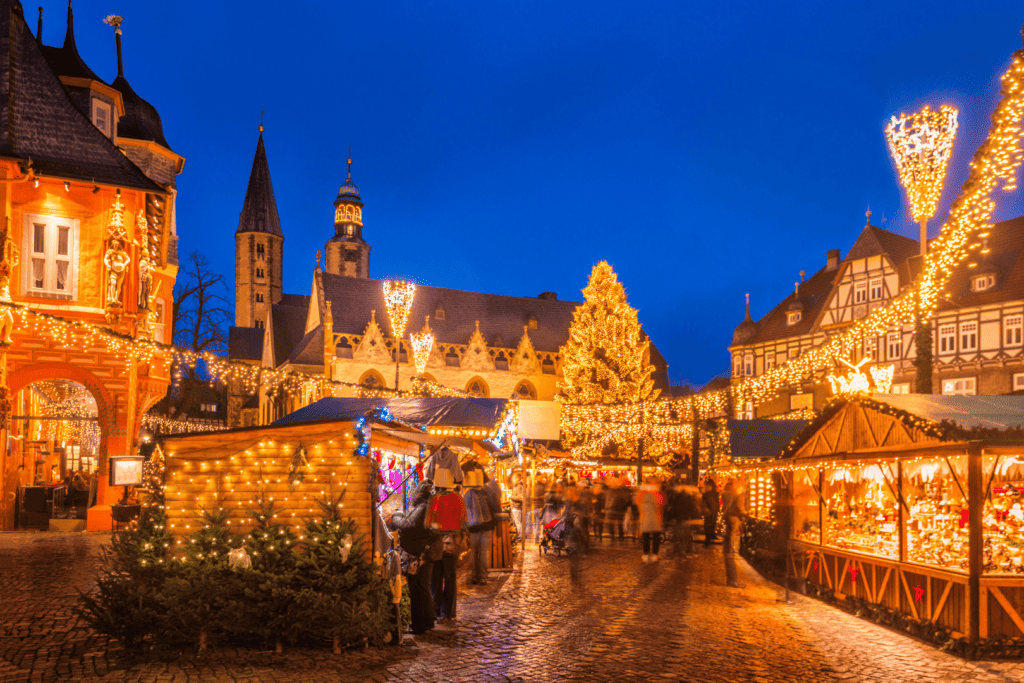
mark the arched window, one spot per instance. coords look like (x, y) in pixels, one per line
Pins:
(344, 349)
(429, 378)
(372, 379)
(478, 388)
(547, 366)
(501, 361)
(451, 358)
(525, 390)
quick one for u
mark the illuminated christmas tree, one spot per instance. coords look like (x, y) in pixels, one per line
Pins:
(606, 359)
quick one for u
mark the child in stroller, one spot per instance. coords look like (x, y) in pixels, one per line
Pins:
(561, 535)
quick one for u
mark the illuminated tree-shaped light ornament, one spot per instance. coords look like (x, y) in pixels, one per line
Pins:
(398, 298)
(422, 344)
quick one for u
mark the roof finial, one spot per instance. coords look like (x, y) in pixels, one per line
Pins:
(69, 37)
(748, 306)
(867, 214)
(115, 21)
(39, 27)
(796, 289)
(261, 120)
(350, 162)
(318, 259)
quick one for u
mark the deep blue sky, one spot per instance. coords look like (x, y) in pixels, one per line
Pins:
(704, 149)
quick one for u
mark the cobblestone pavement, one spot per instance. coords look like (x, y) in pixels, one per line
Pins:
(607, 617)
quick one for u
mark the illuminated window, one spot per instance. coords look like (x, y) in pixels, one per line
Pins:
(860, 292)
(968, 336)
(769, 361)
(947, 339)
(51, 269)
(793, 352)
(876, 290)
(159, 324)
(801, 402)
(793, 317)
(748, 365)
(983, 282)
(1012, 330)
(748, 411)
(903, 388)
(966, 386)
(895, 346)
(532, 323)
(737, 369)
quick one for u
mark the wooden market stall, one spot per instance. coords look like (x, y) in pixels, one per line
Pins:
(910, 502)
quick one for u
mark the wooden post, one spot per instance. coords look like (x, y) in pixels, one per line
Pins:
(695, 448)
(976, 503)
(901, 518)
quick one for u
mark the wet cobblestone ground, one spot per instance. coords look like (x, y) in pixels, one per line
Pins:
(606, 618)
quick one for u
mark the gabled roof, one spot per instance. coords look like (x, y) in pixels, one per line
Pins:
(874, 241)
(1006, 245)
(40, 121)
(288, 325)
(813, 297)
(245, 343)
(259, 211)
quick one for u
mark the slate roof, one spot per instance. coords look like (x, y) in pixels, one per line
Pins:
(40, 121)
(874, 241)
(245, 343)
(1006, 242)
(65, 60)
(761, 439)
(289, 327)
(141, 121)
(814, 294)
(259, 211)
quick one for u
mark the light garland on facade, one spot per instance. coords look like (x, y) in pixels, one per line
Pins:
(166, 425)
(921, 145)
(996, 162)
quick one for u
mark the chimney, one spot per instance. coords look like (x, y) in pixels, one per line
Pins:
(548, 296)
(832, 259)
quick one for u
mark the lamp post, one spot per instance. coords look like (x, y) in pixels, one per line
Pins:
(921, 145)
(398, 297)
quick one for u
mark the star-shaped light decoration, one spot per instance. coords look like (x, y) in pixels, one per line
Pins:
(853, 574)
(918, 593)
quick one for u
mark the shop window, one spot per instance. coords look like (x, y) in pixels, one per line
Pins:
(965, 386)
(801, 402)
(1003, 518)
(935, 493)
(895, 346)
(947, 339)
(761, 497)
(861, 512)
(1012, 330)
(968, 337)
(901, 388)
(860, 292)
(875, 292)
(806, 511)
(51, 268)
(793, 317)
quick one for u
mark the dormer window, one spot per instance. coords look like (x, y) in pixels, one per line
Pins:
(982, 282)
(532, 323)
(101, 117)
(793, 317)
(439, 314)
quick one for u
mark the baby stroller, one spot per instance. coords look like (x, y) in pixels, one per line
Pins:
(560, 535)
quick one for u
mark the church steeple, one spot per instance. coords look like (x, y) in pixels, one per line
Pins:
(259, 246)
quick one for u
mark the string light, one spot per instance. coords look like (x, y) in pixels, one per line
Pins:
(921, 145)
(422, 345)
(398, 298)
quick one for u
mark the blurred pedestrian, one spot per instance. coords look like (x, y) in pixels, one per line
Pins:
(446, 514)
(516, 493)
(617, 503)
(650, 504)
(481, 511)
(711, 507)
(600, 492)
(421, 546)
(733, 513)
(537, 506)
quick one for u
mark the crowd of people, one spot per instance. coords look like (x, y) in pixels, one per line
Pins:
(448, 519)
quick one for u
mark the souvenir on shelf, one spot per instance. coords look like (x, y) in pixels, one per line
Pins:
(860, 507)
(806, 511)
(1003, 517)
(937, 512)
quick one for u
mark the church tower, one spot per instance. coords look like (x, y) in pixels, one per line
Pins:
(347, 252)
(259, 245)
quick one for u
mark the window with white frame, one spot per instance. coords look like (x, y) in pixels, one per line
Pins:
(966, 386)
(983, 282)
(968, 337)
(748, 365)
(769, 361)
(1018, 381)
(793, 317)
(748, 411)
(860, 292)
(50, 266)
(737, 370)
(101, 116)
(876, 289)
(895, 346)
(947, 339)
(1012, 330)
(902, 388)
(159, 324)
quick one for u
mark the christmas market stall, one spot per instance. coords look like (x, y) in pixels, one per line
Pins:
(911, 505)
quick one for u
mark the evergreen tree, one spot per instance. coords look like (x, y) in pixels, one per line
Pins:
(606, 358)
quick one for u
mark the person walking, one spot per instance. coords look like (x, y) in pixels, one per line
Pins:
(446, 514)
(600, 494)
(733, 514)
(617, 503)
(650, 505)
(481, 511)
(537, 507)
(422, 546)
(710, 499)
(515, 497)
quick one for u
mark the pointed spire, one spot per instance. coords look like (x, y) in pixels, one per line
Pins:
(259, 211)
(350, 163)
(318, 269)
(69, 36)
(747, 317)
(867, 215)
(39, 27)
(261, 121)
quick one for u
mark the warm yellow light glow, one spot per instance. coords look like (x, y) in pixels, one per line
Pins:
(398, 297)
(921, 145)
(422, 344)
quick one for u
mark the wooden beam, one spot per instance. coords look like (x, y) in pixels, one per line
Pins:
(841, 581)
(942, 600)
(910, 598)
(1010, 611)
(885, 581)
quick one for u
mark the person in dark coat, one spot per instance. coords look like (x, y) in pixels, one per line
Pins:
(710, 499)
(600, 495)
(416, 540)
(617, 502)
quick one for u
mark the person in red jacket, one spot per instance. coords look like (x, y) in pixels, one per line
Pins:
(446, 514)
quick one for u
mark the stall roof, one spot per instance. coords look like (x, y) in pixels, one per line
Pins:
(426, 412)
(761, 438)
(989, 412)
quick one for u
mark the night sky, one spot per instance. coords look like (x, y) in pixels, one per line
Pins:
(704, 149)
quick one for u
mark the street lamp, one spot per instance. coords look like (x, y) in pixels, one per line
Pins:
(921, 145)
(398, 297)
